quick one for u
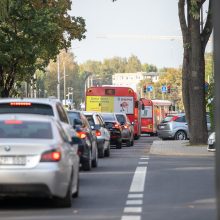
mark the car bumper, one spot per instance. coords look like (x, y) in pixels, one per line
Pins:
(165, 134)
(40, 181)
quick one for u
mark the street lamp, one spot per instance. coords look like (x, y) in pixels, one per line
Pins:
(58, 77)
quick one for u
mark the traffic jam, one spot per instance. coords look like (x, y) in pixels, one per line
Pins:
(44, 146)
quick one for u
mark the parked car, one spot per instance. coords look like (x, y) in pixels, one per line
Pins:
(102, 133)
(175, 127)
(115, 129)
(211, 142)
(37, 159)
(88, 150)
(127, 129)
(42, 106)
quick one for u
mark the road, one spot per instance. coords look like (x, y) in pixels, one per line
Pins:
(132, 185)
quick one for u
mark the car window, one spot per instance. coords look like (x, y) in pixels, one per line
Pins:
(73, 115)
(181, 119)
(99, 119)
(62, 114)
(25, 129)
(90, 120)
(26, 108)
(121, 118)
(108, 117)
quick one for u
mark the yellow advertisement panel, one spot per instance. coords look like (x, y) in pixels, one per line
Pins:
(93, 103)
(100, 103)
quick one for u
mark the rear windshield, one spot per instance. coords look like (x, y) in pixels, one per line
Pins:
(73, 115)
(167, 119)
(121, 118)
(108, 117)
(25, 129)
(90, 120)
(30, 108)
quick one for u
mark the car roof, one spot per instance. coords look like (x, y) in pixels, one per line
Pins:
(32, 100)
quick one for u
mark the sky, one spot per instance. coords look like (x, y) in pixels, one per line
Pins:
(148, 29)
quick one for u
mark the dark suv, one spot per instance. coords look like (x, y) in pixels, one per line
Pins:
(115, 129)
(88, 151)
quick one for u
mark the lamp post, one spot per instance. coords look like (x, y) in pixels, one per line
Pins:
(58, 77)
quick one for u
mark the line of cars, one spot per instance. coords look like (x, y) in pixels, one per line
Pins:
(42, 147)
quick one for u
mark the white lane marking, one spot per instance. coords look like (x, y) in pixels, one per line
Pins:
(144, 158)
(105, 173)
(138, 181)
(132, 209)
(131, 217)
(135, 196)
(134, 202)
(142, 163)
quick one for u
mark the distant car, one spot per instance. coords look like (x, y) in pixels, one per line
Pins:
(88, 150)
(37, 159)
(211, 142)
(115, 129)
(175, 127)
(102, 133)
(127, 129)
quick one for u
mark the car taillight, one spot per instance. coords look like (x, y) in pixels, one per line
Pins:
(20, 103)
(116, 125)
(81, 134)
(97, 133)
(125, 126)
(51, 156)
(13, 122)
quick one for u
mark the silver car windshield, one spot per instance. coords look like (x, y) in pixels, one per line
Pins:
(25, 129)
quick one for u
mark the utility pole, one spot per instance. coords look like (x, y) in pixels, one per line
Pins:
(58, 77)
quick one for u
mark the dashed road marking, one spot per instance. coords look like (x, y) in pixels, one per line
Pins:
(138, 181)
(131, 217)
(132, 209)
(142, 163)
(135, 196)
(134, 202)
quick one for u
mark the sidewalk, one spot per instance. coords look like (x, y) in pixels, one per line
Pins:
(178, 148)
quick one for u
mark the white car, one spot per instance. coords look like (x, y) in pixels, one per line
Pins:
(211, 142)
(37, 159)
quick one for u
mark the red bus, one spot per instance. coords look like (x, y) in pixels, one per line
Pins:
(152, 112)
(115, 99)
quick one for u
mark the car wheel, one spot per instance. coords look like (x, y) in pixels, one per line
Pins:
(76, 194)
(87, 164)
(107, 151)
(119, 145)
(132, 142)
(65, 202)
(180, 135)
(128, 143)
(101, 151)
(95, 160)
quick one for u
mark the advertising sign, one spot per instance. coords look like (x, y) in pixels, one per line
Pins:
(110, 104)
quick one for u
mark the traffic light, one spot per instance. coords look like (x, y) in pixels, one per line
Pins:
(145, 88)
(168, 89)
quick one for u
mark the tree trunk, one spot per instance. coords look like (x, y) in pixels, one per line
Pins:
(193, 72)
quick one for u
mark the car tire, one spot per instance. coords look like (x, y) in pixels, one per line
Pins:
(95, 160)
(76, 194)
(65, 202)
(101, 152)
(119, 145)
(87, 164)
(180, 135)
(128, 143)
(107, 151)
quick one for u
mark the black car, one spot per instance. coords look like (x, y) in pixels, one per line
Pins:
(115, 129)
(88, 151)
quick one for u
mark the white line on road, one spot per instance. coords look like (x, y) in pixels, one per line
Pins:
(134, 202)
(132, 209)
(144, 158)
(135, 196)
(131, 217)
(138, 181)
(142, 163)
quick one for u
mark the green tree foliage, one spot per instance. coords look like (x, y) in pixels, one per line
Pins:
(149, 68)
(33, 33)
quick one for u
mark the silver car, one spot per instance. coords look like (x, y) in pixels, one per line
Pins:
(102, 133)
(37, 159)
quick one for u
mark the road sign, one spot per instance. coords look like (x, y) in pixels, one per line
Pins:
(164, 89)
(150, 88)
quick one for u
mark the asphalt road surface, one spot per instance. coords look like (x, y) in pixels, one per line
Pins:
(132, 185)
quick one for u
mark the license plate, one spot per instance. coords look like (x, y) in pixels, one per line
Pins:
(162, 126)
(19, 160)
